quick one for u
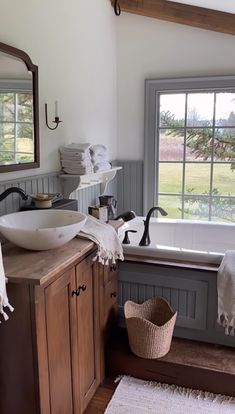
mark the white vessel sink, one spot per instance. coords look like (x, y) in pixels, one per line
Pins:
(41, 229)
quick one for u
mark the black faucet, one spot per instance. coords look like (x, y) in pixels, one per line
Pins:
(145, 241)
(13, 190)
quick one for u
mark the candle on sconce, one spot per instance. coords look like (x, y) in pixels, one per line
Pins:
(57, 120)
(56, 109)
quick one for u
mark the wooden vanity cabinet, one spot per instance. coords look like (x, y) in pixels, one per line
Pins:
(73, 340)
(50, 347)
(88, 330)
(58, 359)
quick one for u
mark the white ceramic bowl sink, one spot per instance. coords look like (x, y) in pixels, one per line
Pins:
(41, 229)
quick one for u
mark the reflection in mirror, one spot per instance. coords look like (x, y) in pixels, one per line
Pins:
(18, 110)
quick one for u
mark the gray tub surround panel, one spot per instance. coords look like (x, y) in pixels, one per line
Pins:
(192, 293)
(130, 187)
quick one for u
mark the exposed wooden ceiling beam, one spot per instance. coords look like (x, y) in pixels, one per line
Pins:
(181, 13)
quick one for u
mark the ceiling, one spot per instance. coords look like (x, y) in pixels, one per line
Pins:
(222, 5)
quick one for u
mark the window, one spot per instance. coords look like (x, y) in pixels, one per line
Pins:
(16, 126)
(190, 147)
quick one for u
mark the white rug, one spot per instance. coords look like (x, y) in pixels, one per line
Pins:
(134, 396)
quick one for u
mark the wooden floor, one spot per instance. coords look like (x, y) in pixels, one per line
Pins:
(189, 364)
(101, 398)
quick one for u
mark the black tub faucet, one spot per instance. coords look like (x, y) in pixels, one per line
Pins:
(145, 241)
(13, 190)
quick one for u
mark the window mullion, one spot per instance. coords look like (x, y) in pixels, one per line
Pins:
(157, 140)
(212, 161)
(15, 125)
(184, 155)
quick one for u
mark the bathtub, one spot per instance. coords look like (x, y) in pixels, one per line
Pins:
(181, 240)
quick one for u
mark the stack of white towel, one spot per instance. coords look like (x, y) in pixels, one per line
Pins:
(99, 158)
(76, 159)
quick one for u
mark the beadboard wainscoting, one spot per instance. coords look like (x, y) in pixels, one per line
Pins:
(127, 187)
(45, 183)
(130, 186)
(90, 196)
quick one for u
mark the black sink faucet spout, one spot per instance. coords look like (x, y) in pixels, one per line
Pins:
(12, 190)
(145, 241)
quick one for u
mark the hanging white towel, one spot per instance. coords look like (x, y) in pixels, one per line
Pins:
(226, 292)
(105, 237)
(3, 292)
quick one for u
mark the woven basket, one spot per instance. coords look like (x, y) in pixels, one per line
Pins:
(150, 327)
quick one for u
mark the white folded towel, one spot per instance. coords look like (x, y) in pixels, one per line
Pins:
(80, 156)
(75, 147)
(78, 171)
(102, 166)
(99, 158)
(226, 292)
(77, 164)
(105, 237)
(98, 150)
(3, 292)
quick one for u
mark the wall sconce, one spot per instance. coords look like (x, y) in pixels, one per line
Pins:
(117, 8)
(56, 120)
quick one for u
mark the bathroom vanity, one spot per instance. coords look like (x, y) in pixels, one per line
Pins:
(52, 346)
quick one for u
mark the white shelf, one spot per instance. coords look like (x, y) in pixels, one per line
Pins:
(71, 182)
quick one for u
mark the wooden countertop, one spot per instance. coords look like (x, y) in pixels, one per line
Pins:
(37, 267)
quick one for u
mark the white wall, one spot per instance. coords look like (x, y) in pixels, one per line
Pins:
(74, 44)
(150, 48)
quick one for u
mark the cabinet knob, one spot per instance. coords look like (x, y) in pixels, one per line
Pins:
(113, 268)
(113, 294)
(79, 289)
(83, 288)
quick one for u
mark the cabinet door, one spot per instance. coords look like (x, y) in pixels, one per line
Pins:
(61, 344)
(108, 307)
(88, 329)
(110, 304)
(110, 272)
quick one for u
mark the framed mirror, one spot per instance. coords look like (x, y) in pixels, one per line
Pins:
(19, 111)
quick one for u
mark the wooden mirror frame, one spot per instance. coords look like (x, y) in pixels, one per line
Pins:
(20, 54)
